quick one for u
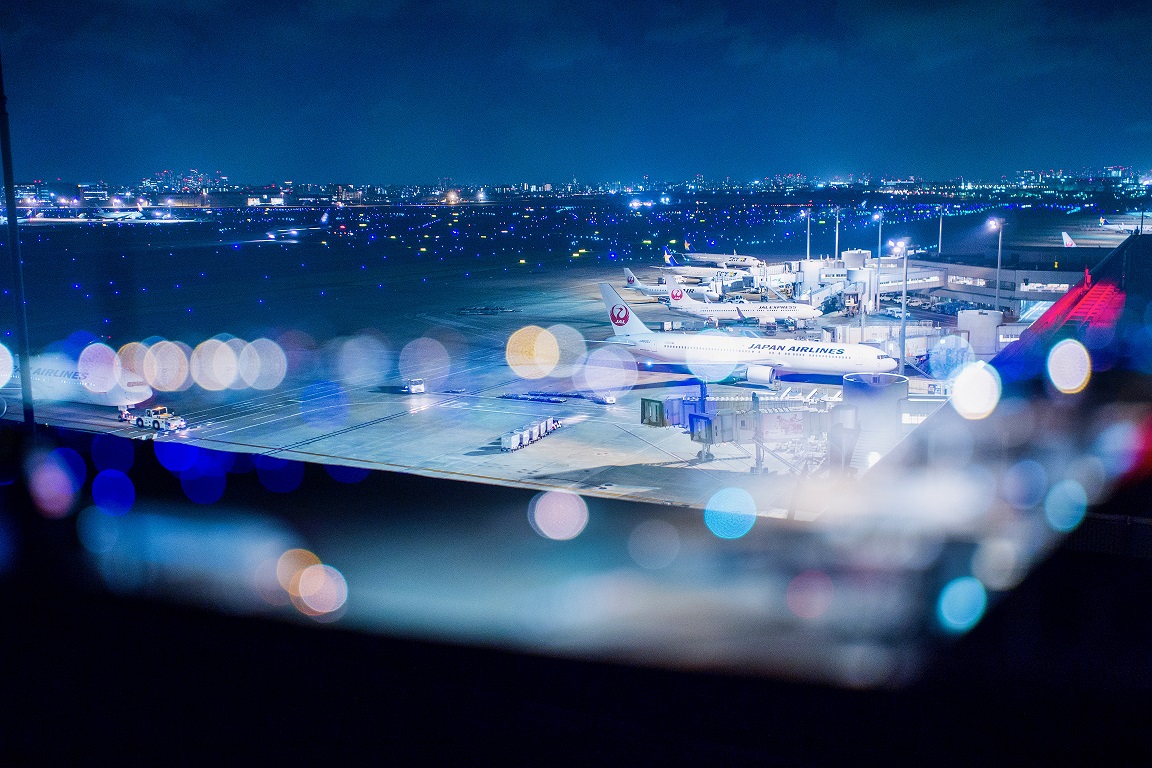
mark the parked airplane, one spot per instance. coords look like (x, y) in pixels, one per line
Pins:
(58, 378)
(762, 357)
(764, 312)
(703, 273)
(1068, 241)
(726, 260)
(120, 215)
(701, 291)
(1132, 228)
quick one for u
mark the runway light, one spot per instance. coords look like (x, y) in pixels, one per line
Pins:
(1069, 366)
(654, 544)
(1065, 505)
(809, 594)
(100, 368)
(558, 515)
(976, 391)
(532, 352)
(961, 604)
(730, 513)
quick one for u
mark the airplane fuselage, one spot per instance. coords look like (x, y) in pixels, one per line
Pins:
(787, 355)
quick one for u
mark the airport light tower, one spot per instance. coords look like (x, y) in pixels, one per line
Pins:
(808, 249)
(902, 248)
(836, 254)
(940, 235)
(879, 218)
(998, 225)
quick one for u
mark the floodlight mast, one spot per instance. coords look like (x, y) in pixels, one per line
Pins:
(17, 264)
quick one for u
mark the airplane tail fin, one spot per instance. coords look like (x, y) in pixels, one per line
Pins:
(1068, 241)
(670, 260)
(633, 281)
(678, 297)
(324, 218)
(624, 320)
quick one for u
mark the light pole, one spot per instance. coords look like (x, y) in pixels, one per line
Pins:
(879, 217)
(903, 248)
(836, 255)
(940, 236)
(998, 225)
(808, 249)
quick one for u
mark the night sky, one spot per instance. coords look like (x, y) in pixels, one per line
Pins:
(503, 91)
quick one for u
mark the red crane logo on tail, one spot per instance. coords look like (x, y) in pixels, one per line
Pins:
(677, 294)
(631, 279)
(619, 315)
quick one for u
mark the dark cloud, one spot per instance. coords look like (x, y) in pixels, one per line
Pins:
(408, 91)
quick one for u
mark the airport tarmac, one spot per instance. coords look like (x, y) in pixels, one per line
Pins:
(453, 429)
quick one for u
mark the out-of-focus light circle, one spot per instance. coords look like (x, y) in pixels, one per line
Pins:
(1065, 505)
(98, 530)
(532, 352)
(997, 563)
(607, 371)
(349, 475)
(558, 515)
(976, 391)
(730, 513)
(949, 356)
(961, 604)
(654, 544)
(1069, 366)
(99, 368)
(176, 456)
(322, 588)
(572, 349)
(113, 452)
(809, 594)
(131, 357)
(7, 365)
(1118, 447)
(213, 365)
(52, 483)
(425, 358)
(166, 366)
(237, 346)
(362, 361)
(699, 362)
(279, 475)
(291, 563)
(1025, 483)
(262, 364)
(113, 491)
(202, 487)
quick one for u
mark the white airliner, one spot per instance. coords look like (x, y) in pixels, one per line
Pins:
(763, 311)
(1068, 241)
(697, 291)
(726, 260)
(703, 273)
(286, 233)
(1131, 227)
(120, 215)
(764, 357)
(57, 378)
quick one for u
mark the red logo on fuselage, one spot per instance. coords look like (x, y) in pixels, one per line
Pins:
(619, 315)
(677, 295)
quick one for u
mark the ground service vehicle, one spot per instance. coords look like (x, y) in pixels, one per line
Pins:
(160, 418)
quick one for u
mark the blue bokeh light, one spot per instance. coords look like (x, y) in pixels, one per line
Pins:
(112, 452)
(324, 404)
(113, 491)
(279, 475)
(1065, 505)
(99, 531)
(962, 604)
(342, 474)
(730, 513)
(74, 464)
(176, 457)
(203, 487)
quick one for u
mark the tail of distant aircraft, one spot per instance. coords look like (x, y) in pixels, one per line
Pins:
(670, 260)
(324, 218)
(633, 281)
(1068, 241)
(678, 298)
(624, 320)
